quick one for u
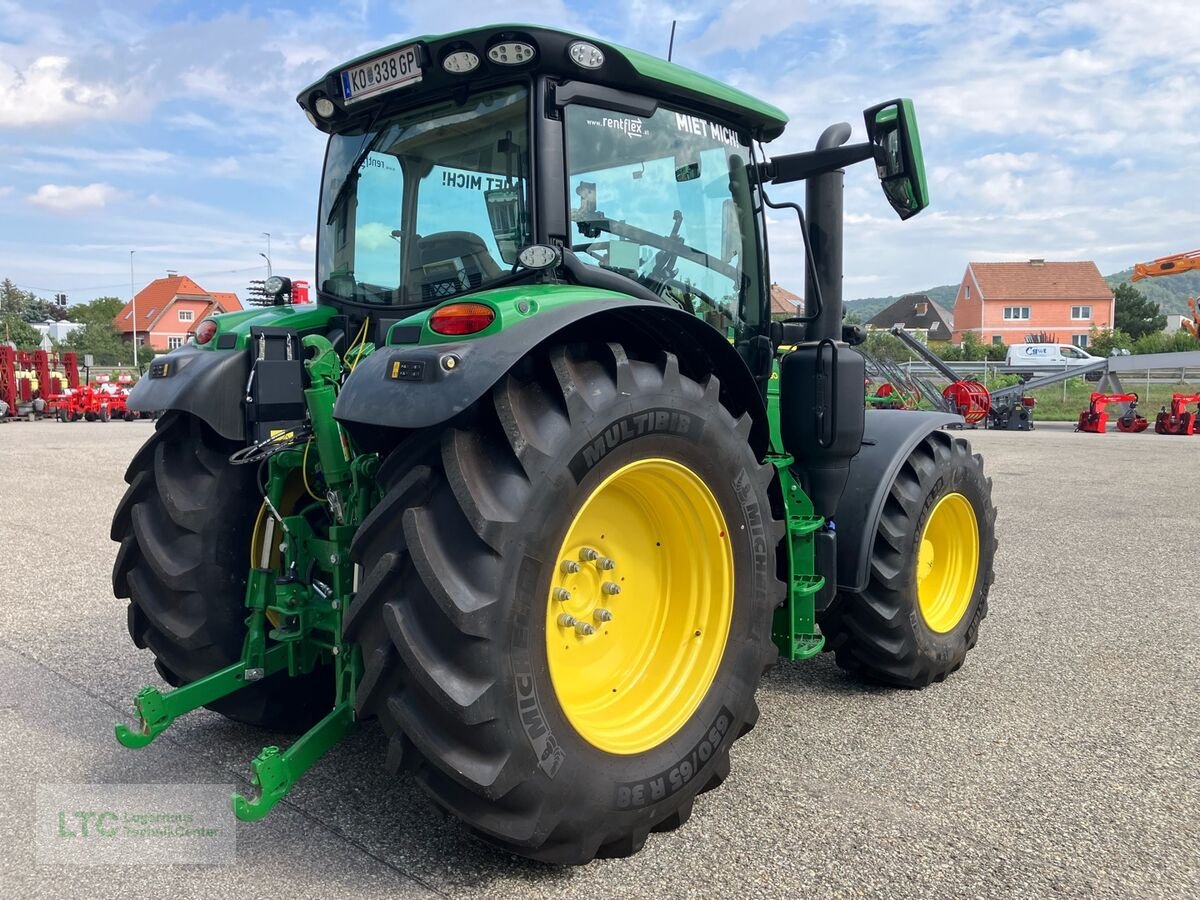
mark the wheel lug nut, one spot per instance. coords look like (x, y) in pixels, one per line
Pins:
(584, 628)
(602, 615)
(605, 564)
(562, 594)
(566, 620)
(587, 554)
(569, 567)
(610, 588)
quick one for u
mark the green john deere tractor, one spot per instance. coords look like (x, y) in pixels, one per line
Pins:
(537, 482)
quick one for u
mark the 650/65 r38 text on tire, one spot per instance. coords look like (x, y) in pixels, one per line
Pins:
(930, 571)
(184, 526)
(566, 602)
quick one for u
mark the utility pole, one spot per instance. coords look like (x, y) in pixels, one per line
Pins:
(267, 255)
(133, 300)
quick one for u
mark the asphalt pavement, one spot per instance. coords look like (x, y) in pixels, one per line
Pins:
(1062, 760)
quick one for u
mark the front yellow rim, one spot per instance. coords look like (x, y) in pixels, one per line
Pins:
(948, 562)
(640, 604)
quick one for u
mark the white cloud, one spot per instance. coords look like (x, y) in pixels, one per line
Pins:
(307, 243)
(224, 167)
(70, 198)
(44, 92)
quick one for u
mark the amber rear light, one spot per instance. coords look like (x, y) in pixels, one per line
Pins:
(205, 331)
(462, 318)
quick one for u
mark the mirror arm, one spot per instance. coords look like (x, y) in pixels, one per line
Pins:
(799, 166)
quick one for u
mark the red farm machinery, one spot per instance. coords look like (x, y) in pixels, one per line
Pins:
(30, 382)
(1094, 419)
(1177, 418)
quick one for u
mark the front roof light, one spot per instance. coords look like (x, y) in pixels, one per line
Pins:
(511, 53)
(538, 256)
(460, 62)
(586, 55)
(324, 107)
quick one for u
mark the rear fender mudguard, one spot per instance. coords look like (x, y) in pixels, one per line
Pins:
(889, 437)
(209, 384)
(420, 386)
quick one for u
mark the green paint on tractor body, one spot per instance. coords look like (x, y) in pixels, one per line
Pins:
(301, 580)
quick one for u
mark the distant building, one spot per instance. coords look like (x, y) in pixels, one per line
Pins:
(1006, 302)
(1174, 323)
(57, 331)
(917, 314)
(168, 310)
(785, 304)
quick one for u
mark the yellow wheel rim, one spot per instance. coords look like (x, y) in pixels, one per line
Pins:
(948, 562)
(640, 604)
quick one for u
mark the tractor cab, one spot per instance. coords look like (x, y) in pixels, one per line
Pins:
(448, 155)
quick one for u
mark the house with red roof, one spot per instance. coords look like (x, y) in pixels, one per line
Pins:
(1012, 302)
(168, 310)
(785, 304)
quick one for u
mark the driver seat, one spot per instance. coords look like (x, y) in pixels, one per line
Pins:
(450, 262)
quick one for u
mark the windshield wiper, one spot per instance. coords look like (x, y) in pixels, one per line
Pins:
(353, 171)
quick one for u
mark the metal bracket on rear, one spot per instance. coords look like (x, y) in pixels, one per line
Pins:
(276, 772)
(157, 710)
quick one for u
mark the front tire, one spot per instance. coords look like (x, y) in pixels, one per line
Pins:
(930, 572)
(458, 616)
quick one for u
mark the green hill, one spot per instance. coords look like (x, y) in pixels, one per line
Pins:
(1170, 292)
(868, 306)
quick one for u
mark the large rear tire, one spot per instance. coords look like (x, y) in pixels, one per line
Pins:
(184, 526)
(930, 571)
(466, 662)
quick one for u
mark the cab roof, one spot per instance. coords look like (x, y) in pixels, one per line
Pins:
(623, 69)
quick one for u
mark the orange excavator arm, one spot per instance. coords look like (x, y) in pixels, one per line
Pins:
(1167, 265)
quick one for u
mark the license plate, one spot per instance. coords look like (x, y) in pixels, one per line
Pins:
(385, 73)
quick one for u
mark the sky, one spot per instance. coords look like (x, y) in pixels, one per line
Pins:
(1052, 130)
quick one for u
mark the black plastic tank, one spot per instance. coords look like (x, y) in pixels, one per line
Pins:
(822, 415)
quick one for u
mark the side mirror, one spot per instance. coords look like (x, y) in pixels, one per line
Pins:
(686, 169)
(504, 214)
(892, 131)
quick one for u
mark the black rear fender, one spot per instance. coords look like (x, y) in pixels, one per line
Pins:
(889, 437)
(209, 384)
(419, 386)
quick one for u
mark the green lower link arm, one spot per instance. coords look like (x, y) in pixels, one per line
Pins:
(158, 710)
(275, 772)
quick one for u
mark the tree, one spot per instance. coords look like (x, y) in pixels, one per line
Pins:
(102, 341)
(12, 298)
(1102, 342)
(973, 349)
(102, 310)
(16, 330)
(1136, 315)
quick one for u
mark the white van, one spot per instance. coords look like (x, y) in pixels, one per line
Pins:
(1047, 356)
